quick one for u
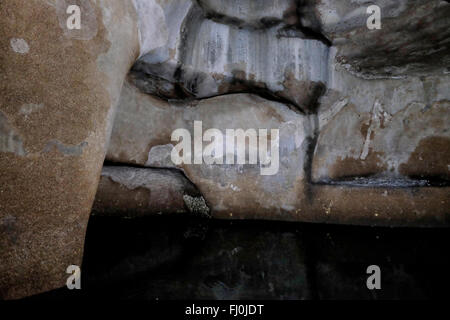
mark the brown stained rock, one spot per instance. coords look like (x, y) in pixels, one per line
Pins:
(228, 189)
(133, 192)
(380, 206)
(373, 127)
(127, 195)
(241, 192)
(372, 206)
(350, 167)
(142, 122)
(57, 95)
(431, 158)
(59, 89)
(303, 94)
(116, 200)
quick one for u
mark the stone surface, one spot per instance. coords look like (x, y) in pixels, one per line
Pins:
(164, 58)
(376, 204)
(133, 192)
(413, 39)
(386, 128)
(58, 91)
(363, 117)
(142, 135)
(251, 14)
(211, 58)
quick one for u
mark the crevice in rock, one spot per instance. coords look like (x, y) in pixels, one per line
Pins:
(265, 94)
(179, 94)
(297, 30)
(158, 86)
(109, 163)
(380, 182)
(309, 157)
(194, 200)
(310, 32)
(179, 86)
(214, 15)
(376, 181)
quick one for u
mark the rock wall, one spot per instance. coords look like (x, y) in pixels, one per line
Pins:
(363, 114)
(58, 93)
(142, 136)
(135, 192)
(412, 40)
(363, 117)
(383, 128)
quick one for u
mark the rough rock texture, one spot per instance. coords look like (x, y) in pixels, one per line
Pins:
(414, 38)
(58, 90)
(375, 104)
(363, 116)
(251, 14)
(390, 128)
(205, 58)
(163, 57)
(142, 135)
(385, 112)
(133, 192)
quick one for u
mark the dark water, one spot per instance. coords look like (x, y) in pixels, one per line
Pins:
(181, 258)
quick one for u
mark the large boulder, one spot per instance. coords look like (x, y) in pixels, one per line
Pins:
(58, 94)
